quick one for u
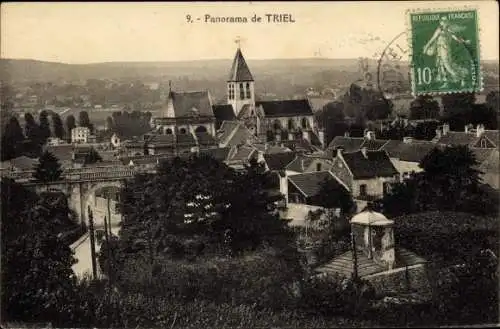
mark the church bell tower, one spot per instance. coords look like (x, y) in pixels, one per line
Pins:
(240, 84)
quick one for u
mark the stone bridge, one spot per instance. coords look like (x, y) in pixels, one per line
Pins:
(80, 187)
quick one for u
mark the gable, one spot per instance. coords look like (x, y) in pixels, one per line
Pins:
(484, 142)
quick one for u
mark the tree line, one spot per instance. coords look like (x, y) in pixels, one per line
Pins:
(16, 141)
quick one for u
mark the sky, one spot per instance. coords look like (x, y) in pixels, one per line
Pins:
(79, 33)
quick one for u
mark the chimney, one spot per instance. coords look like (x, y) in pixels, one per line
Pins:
(468, 128)
(347, 134)
(479, 130)
(364, 150)
(339, 152)
(407, 140)
(302, 164)
(446, 129)
(278, 137)
(290, 136)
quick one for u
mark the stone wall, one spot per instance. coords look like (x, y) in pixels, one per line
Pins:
(401, 280)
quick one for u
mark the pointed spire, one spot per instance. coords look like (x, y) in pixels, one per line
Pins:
(239, 69)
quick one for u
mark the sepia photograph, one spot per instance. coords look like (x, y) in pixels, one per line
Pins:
(308, 164)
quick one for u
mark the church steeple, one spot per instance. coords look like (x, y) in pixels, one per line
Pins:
(240, 84)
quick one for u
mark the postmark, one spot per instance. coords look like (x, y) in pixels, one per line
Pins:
(445, 51)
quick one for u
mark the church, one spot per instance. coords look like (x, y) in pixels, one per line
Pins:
(193, 115)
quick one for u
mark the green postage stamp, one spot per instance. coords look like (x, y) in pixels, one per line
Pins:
(445, 52)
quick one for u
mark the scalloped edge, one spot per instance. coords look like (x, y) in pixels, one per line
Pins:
(409, 31)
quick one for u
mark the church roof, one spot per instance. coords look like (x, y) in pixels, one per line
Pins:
(224, 112)
(191, 104)
(286, 108)
(239, 69)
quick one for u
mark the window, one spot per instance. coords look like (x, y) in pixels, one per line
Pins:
(231, 91)
(168, 131)
(242, 91)
(290, 124)
(362, 189)
(248, 91)
(201, 129)
(386, 188)
(318, 166)
(182, 130)
(483, 143)
(304, 123)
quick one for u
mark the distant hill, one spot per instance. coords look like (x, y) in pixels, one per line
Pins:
(33, 70)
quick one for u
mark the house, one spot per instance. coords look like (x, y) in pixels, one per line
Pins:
(277, 163)
(51, 141)
(80, 135)
(489, 168)
(406, 155)
(239, 156)
(351, 144)
(478, 137)
(305, 188)
(368, 174)
(377, 258)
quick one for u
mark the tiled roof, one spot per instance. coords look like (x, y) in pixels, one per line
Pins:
(374, 144)
(62, 152)
(458, 138)
(205, 139)
(482, 154)
(161, 140)
(279, 161)
(310, 183)
(375, 164)
(344, 264)
(224, 112)
(220, 153)
(226, 130)
(348, 144)
(491, 163)
(300, 164)
(284, 108)
(413, 151)
(239, 69)
(277, 149)
(299, 145)
(23, 163)
(243, 153)
(492, 135)
(191, 104)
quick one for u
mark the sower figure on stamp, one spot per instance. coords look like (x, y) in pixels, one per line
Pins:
(440, 46)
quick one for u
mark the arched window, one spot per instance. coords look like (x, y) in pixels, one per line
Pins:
(183, 130)
(168, 131)
(290, 124)
(304, 123)
(248, 90)
(201, 129)
(242, 91)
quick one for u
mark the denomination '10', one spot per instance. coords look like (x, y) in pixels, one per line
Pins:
(424, 76)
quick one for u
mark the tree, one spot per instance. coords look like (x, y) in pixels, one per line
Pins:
(48, 169)
(454, 104)
(332, 195)
(92, 156)
(70, 123)
(424, 107)
(58, 126)
(44, 126)
(109, 123)
(12, 139)
(31, 128)
(37, 280)
(84, 120)
(493, 100)
(449, 181)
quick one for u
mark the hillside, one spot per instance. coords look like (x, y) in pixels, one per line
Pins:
(31, 70)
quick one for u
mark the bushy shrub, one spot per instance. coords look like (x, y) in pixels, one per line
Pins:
(336, 295)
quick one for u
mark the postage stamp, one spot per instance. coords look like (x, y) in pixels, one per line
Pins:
(445, 52)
